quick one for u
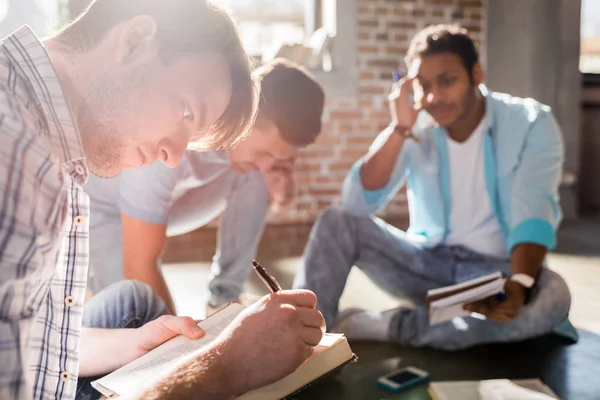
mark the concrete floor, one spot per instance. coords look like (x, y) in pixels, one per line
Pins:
(577, 259)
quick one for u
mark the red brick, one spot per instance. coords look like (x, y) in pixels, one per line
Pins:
(341, 165)
(472, 28)
(396, 50)
(399, 11)
(379, 115)
(401, 25)
(326, 192)
(385, 63)
(304, 207)
(366, 76)
(368, 49)
(369, 23)
(346, 114)
(370, 90)
(353, 154)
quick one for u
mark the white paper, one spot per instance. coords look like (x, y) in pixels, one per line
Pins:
(503, 389)
(462, 285)
(470, 390)
(445, 309)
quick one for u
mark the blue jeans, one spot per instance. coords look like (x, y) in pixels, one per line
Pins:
(125, 304)
(340, 240)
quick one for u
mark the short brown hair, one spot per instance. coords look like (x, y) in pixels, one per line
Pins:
(183, 26)
(292, 99)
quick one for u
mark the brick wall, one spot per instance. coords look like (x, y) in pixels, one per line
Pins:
(385, 28)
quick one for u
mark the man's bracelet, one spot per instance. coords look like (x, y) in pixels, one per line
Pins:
(402, 131)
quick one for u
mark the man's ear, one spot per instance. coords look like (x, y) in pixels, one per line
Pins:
(477, 74)
(136, 40)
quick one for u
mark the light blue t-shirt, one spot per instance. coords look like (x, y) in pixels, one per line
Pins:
(202, 187)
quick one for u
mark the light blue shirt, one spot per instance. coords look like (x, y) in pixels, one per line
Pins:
(200, 188)
(523, 163)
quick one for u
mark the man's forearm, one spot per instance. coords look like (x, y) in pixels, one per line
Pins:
(204, 377)
(96, 343)
(152, 276)
(527, 258)
(378, 166)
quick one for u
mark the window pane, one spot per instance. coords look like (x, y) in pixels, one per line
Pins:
(589, 61)
(265, 25)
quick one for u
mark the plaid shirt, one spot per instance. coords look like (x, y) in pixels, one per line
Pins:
(43, 227)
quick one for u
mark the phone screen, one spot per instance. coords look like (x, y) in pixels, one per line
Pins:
(403, 377)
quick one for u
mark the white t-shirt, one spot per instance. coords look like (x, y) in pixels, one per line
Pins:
(472, 220)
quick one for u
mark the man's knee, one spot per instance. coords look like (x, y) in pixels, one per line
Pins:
(140, 291)
(333, 218)
(556, 295)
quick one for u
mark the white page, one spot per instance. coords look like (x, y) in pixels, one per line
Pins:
(451, 307)
(150, 366)
(477, 293)
(461, 285)
(469, 390)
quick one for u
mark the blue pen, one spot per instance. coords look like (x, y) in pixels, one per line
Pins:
(396, 75)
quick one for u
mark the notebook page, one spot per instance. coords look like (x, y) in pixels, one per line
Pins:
(465, 284)
(478, 293)
(147, 368)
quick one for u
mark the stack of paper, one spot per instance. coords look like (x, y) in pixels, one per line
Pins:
(496, 389)
(447, 302)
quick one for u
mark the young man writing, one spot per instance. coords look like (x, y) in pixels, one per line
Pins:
(482, 171)
(135, 212)
(120, 87)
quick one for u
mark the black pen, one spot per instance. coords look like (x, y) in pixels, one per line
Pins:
(271, 282)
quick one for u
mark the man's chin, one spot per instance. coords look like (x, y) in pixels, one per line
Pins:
(104, 172)
(444, 122)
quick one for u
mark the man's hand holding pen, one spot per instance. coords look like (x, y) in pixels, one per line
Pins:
(272, 337)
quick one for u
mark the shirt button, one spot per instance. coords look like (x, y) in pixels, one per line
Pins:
(79, 220)
(79, 169)
(65, 376)
(70, 301)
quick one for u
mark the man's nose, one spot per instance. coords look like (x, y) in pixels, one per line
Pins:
(171, 152)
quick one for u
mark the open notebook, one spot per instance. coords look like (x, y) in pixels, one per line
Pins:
(447, 302)
(332, 353)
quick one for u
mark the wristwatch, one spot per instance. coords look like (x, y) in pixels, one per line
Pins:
(523, 279)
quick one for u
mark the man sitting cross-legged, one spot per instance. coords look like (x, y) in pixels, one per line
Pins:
(482, 171)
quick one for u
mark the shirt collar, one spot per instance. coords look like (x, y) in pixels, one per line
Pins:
(28, 53)
(489, 107)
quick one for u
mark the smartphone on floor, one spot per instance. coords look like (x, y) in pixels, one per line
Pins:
(403, 379)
